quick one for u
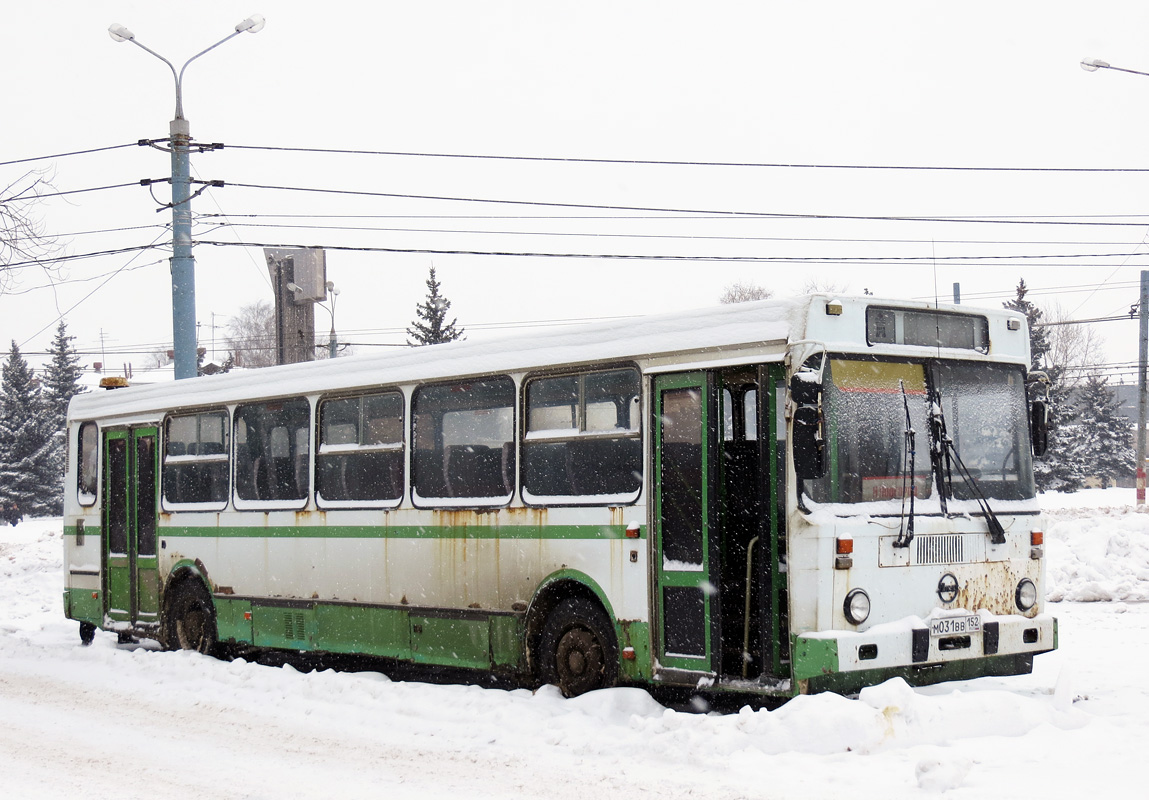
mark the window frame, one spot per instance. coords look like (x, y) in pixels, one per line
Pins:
(196, 458)
(85, 499)
(290, 504)
(434, 502)
(401, 447)
(581, 435)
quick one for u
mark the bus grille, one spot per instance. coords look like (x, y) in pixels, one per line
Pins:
(940, 549)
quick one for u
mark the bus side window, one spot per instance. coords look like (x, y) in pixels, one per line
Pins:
(463, 440)
(582, 436)
(360, 454)
(89, 463)
(195, 458)
(271, 443)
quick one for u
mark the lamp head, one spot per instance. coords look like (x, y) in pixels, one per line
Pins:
(253, 24)
(119, 33)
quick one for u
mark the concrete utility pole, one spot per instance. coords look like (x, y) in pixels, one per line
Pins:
(1092, 65)
(1142, 396)
(183, 262)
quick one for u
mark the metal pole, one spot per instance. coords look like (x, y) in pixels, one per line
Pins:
(183, 262)
(1142, 394)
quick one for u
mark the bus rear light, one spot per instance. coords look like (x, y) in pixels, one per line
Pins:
(95, 595)
(1037, 538)
(845, 546)
(247, 615)
(633, 530)
(628, 653)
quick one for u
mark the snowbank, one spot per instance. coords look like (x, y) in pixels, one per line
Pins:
(1097, 546)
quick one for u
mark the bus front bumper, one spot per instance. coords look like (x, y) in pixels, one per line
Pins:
(846, 661)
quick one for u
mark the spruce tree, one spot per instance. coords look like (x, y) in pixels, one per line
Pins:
(29, 476)
(1038, 341)
(431, 326)
(1105, 439)
(60, 383)
(61, 378)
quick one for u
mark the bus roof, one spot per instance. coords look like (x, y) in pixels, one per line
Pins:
(691, 334)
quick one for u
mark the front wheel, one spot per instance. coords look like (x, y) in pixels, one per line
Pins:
(578, 649)
(193, 621)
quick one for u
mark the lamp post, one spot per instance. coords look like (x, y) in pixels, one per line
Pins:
(1092, 65)
(183, 262)
(332, 343)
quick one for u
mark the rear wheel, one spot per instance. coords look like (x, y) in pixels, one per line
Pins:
(192, 626)
(578, 650)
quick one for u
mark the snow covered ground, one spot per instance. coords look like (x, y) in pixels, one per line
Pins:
(129, 721)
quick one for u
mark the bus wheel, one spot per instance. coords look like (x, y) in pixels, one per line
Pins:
(578, 652)
(87, 633)
(193, 621)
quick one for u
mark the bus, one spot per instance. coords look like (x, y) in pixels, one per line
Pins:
(771, 498)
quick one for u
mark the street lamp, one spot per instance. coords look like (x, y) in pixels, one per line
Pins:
(183, 262)
(331, 340)
(1092, 65)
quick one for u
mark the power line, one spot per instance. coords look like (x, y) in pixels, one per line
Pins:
(69, 192)
(65, 155)
(676, 163)
(981, 220)
(77, 256)
(595, 234)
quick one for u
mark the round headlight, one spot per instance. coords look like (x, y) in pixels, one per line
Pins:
(857, 606)
(1026, 595)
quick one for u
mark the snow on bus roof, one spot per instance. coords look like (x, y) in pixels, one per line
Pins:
(698, 331)
(615, 340)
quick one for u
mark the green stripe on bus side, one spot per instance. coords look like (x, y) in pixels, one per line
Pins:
(401, 532)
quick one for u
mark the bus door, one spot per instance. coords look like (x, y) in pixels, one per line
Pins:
(131, 569)
(684, 509)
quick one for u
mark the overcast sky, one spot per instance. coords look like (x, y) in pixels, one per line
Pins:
(822, 84)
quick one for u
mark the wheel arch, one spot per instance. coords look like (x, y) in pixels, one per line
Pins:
(185, 574)
(555, 588)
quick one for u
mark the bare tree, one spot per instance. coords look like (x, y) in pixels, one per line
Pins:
(1074, 349)
(744, 292)
(251, 335)
(823, 286)
(22, 235)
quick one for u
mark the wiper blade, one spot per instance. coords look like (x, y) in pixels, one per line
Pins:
(944, 454)
(906, 535)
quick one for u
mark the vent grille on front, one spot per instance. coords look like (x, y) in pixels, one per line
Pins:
(940, 549)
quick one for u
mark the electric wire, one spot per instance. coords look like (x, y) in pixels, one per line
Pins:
(683, 163)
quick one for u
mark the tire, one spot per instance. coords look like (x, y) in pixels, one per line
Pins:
(578, 650)
(87, 633)
(192, 623)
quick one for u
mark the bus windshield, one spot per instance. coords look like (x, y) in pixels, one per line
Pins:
(866, 403)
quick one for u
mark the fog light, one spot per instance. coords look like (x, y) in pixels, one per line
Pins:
(857, 606)
(1026, 595)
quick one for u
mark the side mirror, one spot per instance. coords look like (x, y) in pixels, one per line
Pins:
(1039, 407)
(1039, 426)
(808, 440)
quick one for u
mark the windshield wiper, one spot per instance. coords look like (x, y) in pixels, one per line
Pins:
(906, 535)
(943, 456)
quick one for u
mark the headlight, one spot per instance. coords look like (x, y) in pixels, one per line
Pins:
(857, 606)
(1026, 595)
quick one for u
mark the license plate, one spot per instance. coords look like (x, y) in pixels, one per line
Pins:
(950, 626)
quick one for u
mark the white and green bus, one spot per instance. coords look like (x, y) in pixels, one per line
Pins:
(775, 498)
